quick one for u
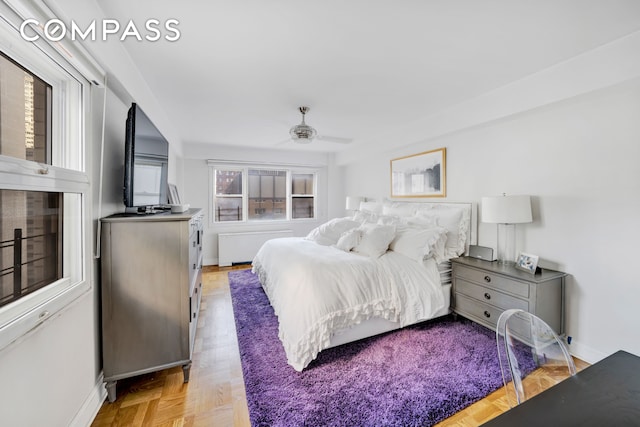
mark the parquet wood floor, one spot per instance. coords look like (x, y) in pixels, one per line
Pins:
(215, 394)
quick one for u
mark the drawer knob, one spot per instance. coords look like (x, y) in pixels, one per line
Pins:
(487, 279)
(487, 295)
(487, 314)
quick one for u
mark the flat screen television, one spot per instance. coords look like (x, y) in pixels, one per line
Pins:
(146, 160)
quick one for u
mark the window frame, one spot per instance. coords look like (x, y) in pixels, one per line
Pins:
(287, 197)
(313, 196)
(214, 193)
(65, 174)
(244, 168)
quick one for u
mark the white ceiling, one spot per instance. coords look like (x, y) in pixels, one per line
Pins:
(241, 68)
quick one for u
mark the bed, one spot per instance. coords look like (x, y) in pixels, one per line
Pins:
(384, 268)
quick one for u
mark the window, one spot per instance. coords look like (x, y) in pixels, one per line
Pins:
(30, 242)
(30, 239)
(267, 194)
(43, 188)
(302, 191)
(262, 194)
(25, 113)
(228, 184)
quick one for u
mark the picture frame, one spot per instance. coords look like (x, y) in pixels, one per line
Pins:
(527, 262)
(420, 175)
(174, 197)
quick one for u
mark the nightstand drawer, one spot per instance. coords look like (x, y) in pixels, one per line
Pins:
(476, 309)
(489, 315)
(490, 296)
(493, 280)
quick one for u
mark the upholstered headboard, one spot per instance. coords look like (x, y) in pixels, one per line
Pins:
(402, 208)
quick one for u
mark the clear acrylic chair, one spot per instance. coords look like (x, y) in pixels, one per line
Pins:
(532, 356)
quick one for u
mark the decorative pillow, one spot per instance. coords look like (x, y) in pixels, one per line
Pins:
(328, 233)
(456, 223)
(399, 209)
(390, 220)
(375, 207)
(421, 221)
(375, 239)
(366, 217)
(349, 239)
(420, 244)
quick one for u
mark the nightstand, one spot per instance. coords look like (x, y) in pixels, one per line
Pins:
(482, 290)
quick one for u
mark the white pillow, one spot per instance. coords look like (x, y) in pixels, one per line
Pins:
(328, 233)
(390, 220)
(375, 239)
(399, 209)
(456, 223)
(375, 207)
(349, 239)
(420, 244)
(366, 217)
(422, 221)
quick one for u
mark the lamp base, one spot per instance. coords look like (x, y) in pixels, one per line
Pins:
(506, 244)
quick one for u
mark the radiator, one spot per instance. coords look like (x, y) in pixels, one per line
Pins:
(242, 247)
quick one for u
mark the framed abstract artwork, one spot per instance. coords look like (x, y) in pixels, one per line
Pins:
(419, 175)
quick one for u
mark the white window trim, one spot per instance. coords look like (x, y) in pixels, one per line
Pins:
(291, 168)
(66, 174)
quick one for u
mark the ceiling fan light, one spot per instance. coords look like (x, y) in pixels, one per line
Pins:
(302, 133)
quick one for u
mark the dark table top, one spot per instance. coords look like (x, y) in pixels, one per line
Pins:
(606, 393)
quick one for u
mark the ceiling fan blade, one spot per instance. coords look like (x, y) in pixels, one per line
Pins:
(335, 139)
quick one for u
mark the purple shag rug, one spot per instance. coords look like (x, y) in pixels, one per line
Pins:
(416, 376)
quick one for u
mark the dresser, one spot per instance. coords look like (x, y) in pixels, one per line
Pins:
(151, 271)
(482, 290)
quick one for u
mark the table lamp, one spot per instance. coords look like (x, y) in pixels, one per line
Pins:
(353, 203)
(506, 211)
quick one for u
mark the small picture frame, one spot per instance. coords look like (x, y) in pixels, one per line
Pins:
(527, 262)
(174, 198)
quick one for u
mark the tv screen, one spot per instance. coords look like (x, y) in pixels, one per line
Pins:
(146, 162)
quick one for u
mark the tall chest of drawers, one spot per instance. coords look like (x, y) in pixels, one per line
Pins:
(151, 288)
(482, 290)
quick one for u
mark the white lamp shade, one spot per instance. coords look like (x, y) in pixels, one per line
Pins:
(353, 203)
(506, 209)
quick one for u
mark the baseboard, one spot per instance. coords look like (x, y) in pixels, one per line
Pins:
(585, 353)
(91, 406)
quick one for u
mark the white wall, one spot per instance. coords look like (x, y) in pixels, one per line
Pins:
(578, 159)
(195, 190)
(49, 375)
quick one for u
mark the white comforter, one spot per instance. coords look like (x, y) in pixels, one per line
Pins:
(316, 290)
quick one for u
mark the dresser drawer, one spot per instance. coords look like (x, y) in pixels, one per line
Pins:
(490, 296)
(492, 280)
(486, 313)
(489, 315)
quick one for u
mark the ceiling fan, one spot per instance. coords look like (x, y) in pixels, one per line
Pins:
(303, 133)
